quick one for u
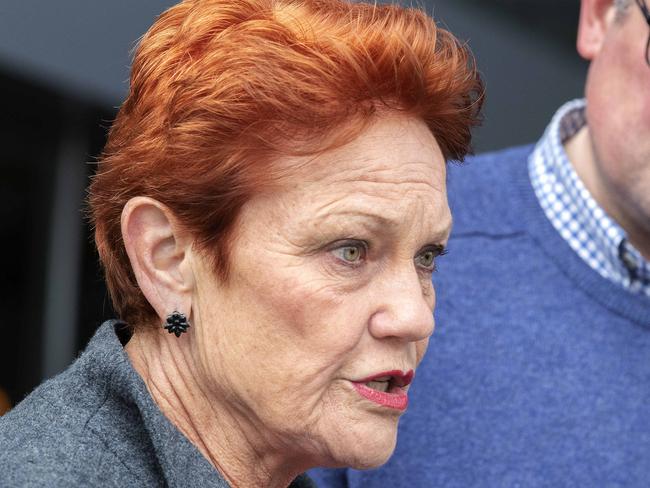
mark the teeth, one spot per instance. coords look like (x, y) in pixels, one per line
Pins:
(383, 378)
(378, 385)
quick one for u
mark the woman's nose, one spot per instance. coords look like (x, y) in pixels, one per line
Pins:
(404, 308)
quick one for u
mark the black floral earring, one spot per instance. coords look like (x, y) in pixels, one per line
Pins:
(176, 323)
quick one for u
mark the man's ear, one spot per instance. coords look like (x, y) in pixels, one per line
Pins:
(159, 252)
(596, 17)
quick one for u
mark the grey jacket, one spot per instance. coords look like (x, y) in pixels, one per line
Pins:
(96, 425)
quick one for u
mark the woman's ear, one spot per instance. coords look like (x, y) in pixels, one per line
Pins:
(596, 17)
(159, 252)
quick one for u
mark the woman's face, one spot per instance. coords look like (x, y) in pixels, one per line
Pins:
(329, 288)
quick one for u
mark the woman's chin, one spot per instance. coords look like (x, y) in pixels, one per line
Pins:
(370, 462)
(371, 458)
(367, 449)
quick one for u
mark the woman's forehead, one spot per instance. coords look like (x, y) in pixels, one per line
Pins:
(392, 149)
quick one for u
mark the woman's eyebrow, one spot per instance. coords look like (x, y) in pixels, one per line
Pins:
(377, 222)
(363, 217)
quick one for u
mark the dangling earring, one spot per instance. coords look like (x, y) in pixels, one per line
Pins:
(176, 323)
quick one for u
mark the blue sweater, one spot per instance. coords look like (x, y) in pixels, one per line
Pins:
(538, 373)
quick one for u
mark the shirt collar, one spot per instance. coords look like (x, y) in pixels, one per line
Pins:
(590, 232)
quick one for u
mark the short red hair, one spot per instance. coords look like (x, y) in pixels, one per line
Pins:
(221, 88)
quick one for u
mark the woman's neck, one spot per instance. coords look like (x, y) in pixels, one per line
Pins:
(230, 441)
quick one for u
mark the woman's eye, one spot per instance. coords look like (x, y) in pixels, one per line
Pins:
(427, 258)
(350, 253)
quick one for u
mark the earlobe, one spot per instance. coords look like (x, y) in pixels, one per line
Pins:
(158, 252)
(596, 17)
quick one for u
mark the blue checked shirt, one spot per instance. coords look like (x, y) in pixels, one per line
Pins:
(590, 232)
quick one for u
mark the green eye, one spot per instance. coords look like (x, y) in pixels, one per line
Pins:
(426, 259)
(350, 253)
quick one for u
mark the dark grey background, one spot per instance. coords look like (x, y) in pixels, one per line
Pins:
(63, 72)
(524, 48)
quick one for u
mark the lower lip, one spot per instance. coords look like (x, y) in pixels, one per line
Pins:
(396, 398)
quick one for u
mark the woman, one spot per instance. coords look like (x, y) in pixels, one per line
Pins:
(272, 194)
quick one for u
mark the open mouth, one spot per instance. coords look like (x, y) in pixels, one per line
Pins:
(386, 389)
(387, 383)
(379, 384)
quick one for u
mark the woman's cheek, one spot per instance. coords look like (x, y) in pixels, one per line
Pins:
(421, 349)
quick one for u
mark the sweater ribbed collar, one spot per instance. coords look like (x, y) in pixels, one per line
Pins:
(616, 299)
(576, 215)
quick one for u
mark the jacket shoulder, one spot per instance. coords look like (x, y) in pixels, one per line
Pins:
(51, 438)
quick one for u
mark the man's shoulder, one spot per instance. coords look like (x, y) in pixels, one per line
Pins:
(488, 171)
(483, 191)
(504, 156)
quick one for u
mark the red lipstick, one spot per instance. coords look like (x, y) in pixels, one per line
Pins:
(386, 388)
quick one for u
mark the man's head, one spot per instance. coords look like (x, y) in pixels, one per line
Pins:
(613, 35)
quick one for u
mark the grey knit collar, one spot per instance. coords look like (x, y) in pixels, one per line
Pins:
(178, 459)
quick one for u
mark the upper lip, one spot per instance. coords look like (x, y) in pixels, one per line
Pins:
(398, 377)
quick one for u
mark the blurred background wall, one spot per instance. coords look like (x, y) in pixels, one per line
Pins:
(63, 73)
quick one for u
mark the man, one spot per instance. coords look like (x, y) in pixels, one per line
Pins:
(539, 372)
